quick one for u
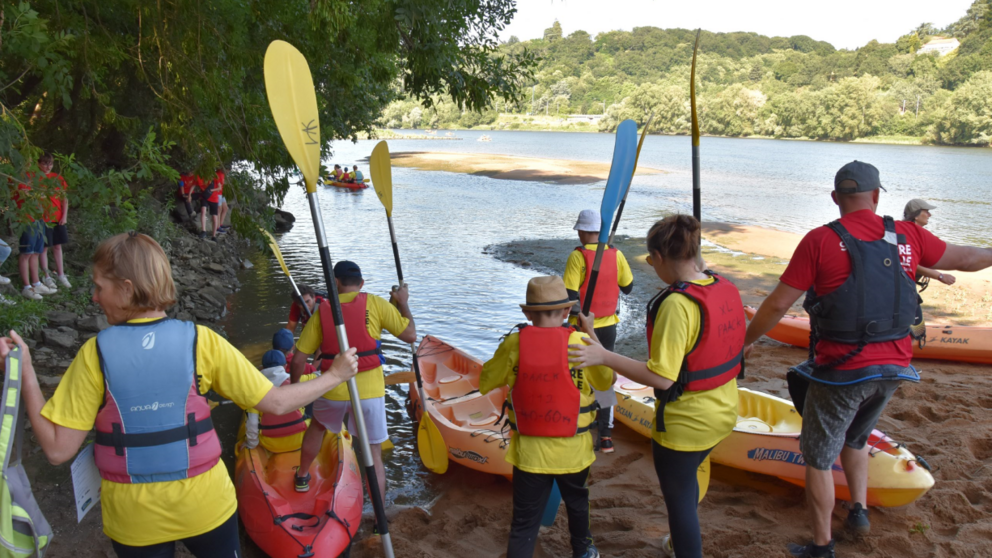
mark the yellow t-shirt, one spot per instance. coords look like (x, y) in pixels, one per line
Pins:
(536, 454)
(379, 315)
(575, 275)
(153, 513)
(281, 444)
(699, 420)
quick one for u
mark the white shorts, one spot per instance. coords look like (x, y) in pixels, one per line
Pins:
(220, 201)
(331, 414)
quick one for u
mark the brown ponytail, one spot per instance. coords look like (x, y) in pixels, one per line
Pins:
(675, 237)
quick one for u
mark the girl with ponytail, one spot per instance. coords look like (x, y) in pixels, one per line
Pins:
(695, 348)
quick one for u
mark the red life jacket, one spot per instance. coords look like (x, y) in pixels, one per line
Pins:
(718, 355)
(280, 426)
(607, 295)
(544, 399)
(355, 316)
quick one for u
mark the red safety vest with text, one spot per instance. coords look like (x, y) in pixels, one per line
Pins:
(607, 294)
(718, 355)
(544, 399)
(355, 317)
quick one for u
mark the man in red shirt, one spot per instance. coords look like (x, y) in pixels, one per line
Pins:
(860, 320)
(296, 313)
(184, 191)
(56, 232)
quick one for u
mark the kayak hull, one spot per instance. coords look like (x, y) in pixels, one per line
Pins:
(465, 418)
(955, 343)
(766, 441)
(264, 484)
(347, 185)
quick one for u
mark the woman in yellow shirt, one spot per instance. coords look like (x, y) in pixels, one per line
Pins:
(140, 383)
(695, 347)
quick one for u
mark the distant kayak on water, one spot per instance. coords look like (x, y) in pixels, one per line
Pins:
(957, 343)
(347, 185)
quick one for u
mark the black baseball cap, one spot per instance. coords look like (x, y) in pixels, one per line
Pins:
(865, 175)
(345, 269)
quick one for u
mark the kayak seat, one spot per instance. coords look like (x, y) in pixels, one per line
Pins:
(474, 411)
(453, 387)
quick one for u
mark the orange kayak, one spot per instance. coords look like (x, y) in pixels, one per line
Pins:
(288, 524)
(348, 185)
(465, 418)
(958, 343)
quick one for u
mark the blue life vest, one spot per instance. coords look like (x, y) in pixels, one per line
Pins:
(154, 426)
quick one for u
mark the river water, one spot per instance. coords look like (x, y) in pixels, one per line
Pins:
(444, 221)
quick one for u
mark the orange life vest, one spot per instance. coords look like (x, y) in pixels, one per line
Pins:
(607, 294)
(279, 426)
(355, 315)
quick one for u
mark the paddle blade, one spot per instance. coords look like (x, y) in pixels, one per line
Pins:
(640, 142)
(621, 173)
(397, 378)
(703, 477)
(430, 444)
(382, 175)
(551, 508)
(275, 250)
(289, 86)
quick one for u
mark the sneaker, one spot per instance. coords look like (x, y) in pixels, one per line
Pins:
(213, 238)
(43, 289)
(30, 294)
(857, 521)
(4, 280)
(64, 281)
(302, 483)
(666, 546)
(606, 445)
(50, 283)
(6, 301)
(203, 234)
(591, 552)
(812, 551)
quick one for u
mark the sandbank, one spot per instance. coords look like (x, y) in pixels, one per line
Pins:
(509, 167)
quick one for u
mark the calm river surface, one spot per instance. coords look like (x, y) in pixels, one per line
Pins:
(444, 221)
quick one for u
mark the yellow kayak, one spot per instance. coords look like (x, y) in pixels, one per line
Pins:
(766, 441)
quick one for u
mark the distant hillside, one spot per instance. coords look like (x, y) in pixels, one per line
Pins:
(750, 84)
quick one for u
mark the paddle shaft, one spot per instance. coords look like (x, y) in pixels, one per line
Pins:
(697, 209)
(299, 297)
(587, 303)
(356, 402)
(413, 347)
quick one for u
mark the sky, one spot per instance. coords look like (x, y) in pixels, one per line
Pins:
(843, 23)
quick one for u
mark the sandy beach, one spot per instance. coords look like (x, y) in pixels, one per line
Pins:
(505, 167)
(947, 418)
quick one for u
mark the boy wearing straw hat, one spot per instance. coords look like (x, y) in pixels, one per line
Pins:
(615, 277)
(550, 409)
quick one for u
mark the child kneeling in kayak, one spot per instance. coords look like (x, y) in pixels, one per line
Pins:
(276, 433)
(550, 409)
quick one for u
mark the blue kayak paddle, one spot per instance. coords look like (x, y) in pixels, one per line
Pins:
(621, 173)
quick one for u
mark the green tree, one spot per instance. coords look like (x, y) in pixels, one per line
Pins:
(553, 33)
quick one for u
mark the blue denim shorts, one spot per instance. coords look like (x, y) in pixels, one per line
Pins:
(33, 238)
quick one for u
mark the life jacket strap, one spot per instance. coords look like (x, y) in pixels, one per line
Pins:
(715, 371)
(119, 440)
(284, 424)
(360, 354)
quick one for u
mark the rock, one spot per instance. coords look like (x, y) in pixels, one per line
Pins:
(214, 267)
(63, 337)
(213, 297)
(284, 220)
(57, 318)
(245, 264)
(64, 364)
(50, 381)
(31, 343)
(93, 323)
(184, 316)
(204, 314)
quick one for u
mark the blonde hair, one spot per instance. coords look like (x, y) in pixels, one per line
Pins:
(137, 258)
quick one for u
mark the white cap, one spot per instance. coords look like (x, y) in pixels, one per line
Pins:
(589, 221)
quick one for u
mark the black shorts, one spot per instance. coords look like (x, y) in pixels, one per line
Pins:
(54, 236)
(214, 207)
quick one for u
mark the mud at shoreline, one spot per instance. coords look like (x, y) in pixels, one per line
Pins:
(507, 167)
(947, 418)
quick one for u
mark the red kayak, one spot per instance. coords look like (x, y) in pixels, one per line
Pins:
(347, 185)
(289, 524)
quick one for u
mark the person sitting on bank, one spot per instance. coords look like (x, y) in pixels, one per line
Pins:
(615, 277)
(918, 211)
(296, 314)
(859, 333)
(695, 333)
(533, 362)
(365, 317)
(276, 433)
(161, 483)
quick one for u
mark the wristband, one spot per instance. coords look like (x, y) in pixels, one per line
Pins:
(940, 276)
